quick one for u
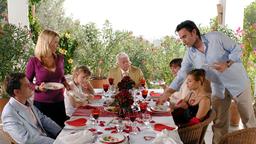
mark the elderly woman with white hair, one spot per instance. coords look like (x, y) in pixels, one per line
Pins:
(124, 68)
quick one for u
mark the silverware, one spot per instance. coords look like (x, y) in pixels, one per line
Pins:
(128, 139)
(110, 122)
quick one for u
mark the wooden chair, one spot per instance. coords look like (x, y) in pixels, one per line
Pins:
(195, 134)
(244, 136)
(5, 136)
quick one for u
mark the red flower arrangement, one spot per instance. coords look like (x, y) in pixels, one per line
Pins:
(126, 83)
(124, 100)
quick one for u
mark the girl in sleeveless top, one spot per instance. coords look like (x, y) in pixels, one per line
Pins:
(196, 105)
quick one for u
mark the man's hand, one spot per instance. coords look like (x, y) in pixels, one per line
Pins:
(220, 66)
(167, 93)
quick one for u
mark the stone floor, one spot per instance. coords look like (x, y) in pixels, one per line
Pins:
(209, 134)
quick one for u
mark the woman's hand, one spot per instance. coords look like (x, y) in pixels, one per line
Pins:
(41, 87)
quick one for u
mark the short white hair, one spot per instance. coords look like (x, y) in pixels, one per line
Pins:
(122, 55)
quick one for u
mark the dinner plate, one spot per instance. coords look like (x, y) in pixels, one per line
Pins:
(159, 108)
(76, 123)
(53, 85)
(155, 82)
(112, 138)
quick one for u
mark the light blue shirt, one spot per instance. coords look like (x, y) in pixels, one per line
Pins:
(218, 48)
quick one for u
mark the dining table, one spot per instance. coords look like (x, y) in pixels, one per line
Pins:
(159, 128)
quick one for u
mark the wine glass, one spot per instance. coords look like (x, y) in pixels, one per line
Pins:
(144, 93)
(142, 83)
(111, 81)
(105, 88)
(133, 115)
(112, 86)
(146, 118)
(143, 106)
(95, 114)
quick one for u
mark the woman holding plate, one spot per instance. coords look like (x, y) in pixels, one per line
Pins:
(47, 67)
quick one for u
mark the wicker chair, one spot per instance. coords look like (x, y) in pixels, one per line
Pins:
(195, 134)
(5, 136)
(244, 136)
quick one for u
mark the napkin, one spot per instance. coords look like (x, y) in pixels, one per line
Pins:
(77, 122)
(167, 137)
(155, 94)
(80, 137)
(97, 97)
(160, 127)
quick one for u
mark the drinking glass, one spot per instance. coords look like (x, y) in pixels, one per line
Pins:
(95, 114)
(112, 86)
(105, 88)
(142, 82)
(111, 81)
(143, 106)
(119, 126)
(144, 94)
(133, 115)
(146, 118)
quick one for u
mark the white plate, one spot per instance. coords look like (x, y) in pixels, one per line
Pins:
(53, 85)
(112, 138)
(160, 82)
(160, 108)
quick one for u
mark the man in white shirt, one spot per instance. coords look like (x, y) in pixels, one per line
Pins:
(24, 122)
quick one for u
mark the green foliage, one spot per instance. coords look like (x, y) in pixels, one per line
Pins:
(67, 48)
(15, 49)
(3, 11)
(249, 41)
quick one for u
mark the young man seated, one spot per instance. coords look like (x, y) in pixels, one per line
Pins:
(21, 120)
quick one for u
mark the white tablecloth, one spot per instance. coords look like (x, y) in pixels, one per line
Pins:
(83, 135)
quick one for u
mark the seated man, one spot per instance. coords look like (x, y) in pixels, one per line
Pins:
(124, 68)
(24, 122)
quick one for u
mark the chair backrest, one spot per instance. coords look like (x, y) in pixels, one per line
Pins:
(6, 137)
(195, 134)
(244, 136)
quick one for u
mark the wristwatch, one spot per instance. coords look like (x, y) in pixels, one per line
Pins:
(229, 63)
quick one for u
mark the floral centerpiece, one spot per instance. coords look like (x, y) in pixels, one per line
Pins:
(123, 99)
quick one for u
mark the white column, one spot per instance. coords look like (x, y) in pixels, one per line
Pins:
(18, 12)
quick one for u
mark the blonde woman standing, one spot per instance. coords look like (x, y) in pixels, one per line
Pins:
(48, 66)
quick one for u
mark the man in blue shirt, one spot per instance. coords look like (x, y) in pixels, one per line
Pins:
(220, 57)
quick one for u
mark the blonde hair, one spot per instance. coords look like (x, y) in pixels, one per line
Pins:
(80, 69)
(122, 55)
(42, 46)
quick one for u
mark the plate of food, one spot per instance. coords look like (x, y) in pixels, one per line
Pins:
(111, 109)
(76, 123)
(112, 138)
(160, 108)
(53, 85)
